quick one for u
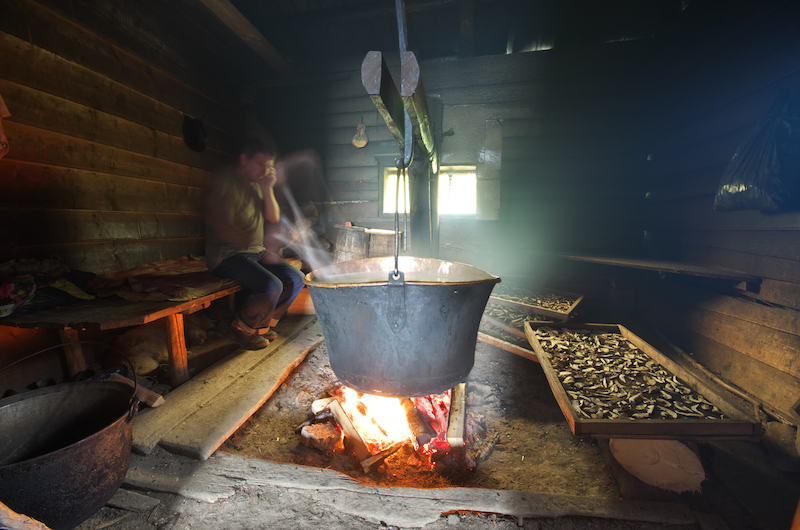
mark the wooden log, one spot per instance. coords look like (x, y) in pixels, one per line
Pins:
(71, 58)
(458, 416)
(238, 23)
(11, 520)
(76, 363)
(422, 430)
(377, 80)
(416, 103)
(145, 395)
(667, 464)
(368, 463)
(33, 144)
(359, 447)
(178, 357)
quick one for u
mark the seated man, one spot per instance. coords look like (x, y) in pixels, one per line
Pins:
(238, 203)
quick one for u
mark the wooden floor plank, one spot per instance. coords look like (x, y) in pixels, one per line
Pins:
(223, 475)
(200, 434)
(151, 425)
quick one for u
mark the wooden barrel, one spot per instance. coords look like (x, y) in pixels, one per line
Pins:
(352, 243)
(381, 242)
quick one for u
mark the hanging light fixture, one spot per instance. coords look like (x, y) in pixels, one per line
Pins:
(360, 139)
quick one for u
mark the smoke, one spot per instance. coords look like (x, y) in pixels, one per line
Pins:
(301, 171)
(300, 238)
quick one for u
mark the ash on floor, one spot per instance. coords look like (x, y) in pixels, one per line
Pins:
(519, 441)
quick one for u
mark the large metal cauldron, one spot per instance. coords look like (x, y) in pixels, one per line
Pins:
(409, 336)
(65, 449)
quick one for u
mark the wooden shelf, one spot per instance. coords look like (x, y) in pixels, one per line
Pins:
(671, 267)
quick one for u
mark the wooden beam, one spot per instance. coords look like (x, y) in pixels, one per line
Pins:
(457, 426)
(73, 352)
(415, 101)
(231, 17)
(382, 91)
(178, 357)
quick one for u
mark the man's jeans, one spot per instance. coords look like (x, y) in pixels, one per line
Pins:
(273, 287)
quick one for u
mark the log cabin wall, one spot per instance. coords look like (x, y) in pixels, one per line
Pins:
(98, 173)
(708, 98)
(570, 175)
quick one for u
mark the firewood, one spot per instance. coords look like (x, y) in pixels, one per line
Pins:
(359, 447)
(320, 404)
(12, 520)
(667, 464)
(422, 430)
(372, 461)
(455, 429)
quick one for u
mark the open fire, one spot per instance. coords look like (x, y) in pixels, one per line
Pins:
(374, 427)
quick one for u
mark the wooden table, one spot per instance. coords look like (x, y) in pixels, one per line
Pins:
(104, 314)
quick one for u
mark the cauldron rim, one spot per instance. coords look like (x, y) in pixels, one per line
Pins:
(53, 389)
(405, 264)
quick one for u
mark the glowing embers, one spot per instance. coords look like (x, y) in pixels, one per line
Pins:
(374, 427)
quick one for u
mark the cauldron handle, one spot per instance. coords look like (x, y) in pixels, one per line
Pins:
(397, 301)
(134, 399)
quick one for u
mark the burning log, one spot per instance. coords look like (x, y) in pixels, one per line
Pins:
(455, 429)
(321, 404)
(422, 430)
(359, 447)
(368, 463)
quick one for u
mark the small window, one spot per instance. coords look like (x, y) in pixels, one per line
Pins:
(458, 190)
(390, 189)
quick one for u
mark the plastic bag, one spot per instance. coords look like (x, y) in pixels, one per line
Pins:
(764, 172)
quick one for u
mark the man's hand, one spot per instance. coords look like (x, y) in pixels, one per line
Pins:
(269, 180)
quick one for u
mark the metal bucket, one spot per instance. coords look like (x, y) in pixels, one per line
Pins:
(65, 449)
(408, 336)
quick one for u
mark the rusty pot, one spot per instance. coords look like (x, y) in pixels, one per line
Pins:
(65, 449)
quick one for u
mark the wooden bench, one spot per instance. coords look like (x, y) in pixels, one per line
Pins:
(105, 314)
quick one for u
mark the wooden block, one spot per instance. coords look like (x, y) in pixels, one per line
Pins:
(359, 447)
(200, 434)
(73, 351)
(146, 396)
(132, 501)
(178, 357)
(455, 429)
(149, 428)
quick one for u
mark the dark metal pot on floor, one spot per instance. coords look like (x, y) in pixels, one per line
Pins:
(65, 449)
(411, 335)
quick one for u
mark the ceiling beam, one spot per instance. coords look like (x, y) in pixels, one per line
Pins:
(236, 22)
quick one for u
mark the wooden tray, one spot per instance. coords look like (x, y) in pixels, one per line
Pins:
(739, 426)
(555, 315)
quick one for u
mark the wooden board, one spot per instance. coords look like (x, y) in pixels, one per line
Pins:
(740, 426)
(672, 267)
(550, 313)
(112, 314)
(200, 434)
(151, 426)
(507, 346)
(223, 476)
